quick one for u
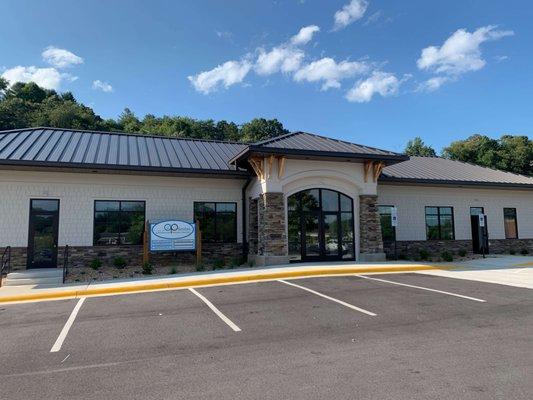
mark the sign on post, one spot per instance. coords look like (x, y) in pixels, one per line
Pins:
(394, 216)
(172, 235)
(482, 220)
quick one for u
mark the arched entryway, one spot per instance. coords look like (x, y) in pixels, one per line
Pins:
(320, 226)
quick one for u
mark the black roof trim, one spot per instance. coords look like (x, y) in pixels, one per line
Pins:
(450, 182)
(107, 167)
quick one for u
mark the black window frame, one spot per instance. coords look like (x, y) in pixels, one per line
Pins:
(439, 221)
(120, 212)
(390, 215)
(515, 222)
(215, 233)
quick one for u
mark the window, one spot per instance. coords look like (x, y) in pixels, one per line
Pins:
(439, 223)
(476, 211)
(218, 221)
(118, 222)
(388, 232)
(510, 224)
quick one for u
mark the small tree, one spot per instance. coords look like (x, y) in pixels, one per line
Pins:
(417, 147)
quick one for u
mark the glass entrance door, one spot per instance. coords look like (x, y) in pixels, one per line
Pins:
(42, 240)
(320, 226)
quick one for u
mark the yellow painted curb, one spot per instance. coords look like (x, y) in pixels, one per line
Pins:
(213, 280)
(527, 264)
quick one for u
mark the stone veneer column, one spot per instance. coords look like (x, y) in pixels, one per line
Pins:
(272, 239)
(252, 227)
(371, 242)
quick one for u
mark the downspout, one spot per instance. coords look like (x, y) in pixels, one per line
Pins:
(244, 241)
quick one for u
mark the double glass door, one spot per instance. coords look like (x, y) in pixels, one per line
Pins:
(320, 226)
(321, 234)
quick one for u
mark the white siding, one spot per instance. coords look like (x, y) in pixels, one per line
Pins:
(166, 197)
(412, 200)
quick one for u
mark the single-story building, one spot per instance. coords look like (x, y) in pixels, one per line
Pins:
(297, 197)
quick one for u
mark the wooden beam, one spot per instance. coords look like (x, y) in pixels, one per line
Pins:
(281, 167)
(378, 167)
(257, 165)
(367, 166)
(270, 162)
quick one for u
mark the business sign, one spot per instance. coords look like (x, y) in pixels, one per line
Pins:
(172, 235)
(394, 216)
(482, 220)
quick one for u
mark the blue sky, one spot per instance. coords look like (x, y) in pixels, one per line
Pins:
(373, 72)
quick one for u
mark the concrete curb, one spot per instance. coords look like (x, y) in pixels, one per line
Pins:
(219, 279)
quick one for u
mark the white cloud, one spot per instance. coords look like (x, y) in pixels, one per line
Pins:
(103, 86)
(226, 75)
(49, 78)
(281, 58)
(382, 83)
(329, 72)
(60, 58)
(305, 35)
(433, 84)
(461, 52)
(349, 13)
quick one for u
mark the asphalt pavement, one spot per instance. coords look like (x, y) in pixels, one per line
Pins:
(341, 337)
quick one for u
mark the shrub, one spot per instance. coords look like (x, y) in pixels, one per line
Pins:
(424, 255)
(219, 264)
(512, 251)
(524, 251)
(251, 263)
(462, 252)
(173, 271)
(119, 262)
(147, 268)
(200, 267)
(447, 256)
(95, 264)
(237, 261)
(402, 256)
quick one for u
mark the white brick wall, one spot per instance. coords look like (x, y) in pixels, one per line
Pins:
(166, 197)
(411, 201)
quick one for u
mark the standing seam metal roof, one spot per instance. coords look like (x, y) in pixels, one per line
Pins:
(114, 149)
(442, 170)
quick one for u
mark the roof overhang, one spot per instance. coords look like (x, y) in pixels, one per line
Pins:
(384, 179)
(241, 158)
(121, 169)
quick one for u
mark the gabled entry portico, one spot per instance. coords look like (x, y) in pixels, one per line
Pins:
(309, 198)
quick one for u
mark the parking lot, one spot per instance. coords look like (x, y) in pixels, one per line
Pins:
(390, 336)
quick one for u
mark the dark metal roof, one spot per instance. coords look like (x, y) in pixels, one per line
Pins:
(309, 145)
(436, 170)
(113, 150)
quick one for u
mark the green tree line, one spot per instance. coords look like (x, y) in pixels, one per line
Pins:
(25, 105)
(513, 153)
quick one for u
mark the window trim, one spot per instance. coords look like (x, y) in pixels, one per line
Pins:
(393, 227)
(216, 219)
(119, 211)
(515, 222)
(440, 225)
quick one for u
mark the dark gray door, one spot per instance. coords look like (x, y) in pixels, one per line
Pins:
(42, 238)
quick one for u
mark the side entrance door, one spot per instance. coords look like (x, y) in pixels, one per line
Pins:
(42, 238)
(480, 234)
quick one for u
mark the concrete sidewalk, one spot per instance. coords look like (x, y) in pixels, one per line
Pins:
(508, 270)
(169, 282)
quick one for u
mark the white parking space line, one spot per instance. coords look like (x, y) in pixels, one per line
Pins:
(329, 298)
(217, 311)
(64, 332)
(422, 288)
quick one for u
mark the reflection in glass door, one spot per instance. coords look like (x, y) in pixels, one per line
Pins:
(42, 240)
(320, 226)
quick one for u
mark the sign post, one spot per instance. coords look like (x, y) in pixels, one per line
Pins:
(198, 244)
(394, 224)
